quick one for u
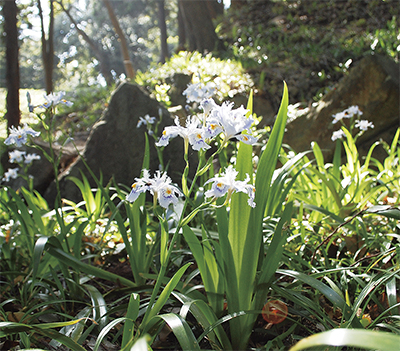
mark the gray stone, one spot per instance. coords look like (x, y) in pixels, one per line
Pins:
(263, 106)
(115, 147)
(178, 82)
(373, 85)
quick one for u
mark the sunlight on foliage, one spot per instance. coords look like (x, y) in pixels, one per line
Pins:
(202, 69)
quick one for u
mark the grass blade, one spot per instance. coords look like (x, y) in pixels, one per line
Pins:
(273, 257)
(105, 330)
(9, 328)
(88, 269)
(99, 305)
(131, 315)
(206, 317)
(181, 330)
(366, 339)
(329, 293)
(162, 299)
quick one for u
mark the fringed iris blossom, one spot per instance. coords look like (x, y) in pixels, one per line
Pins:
(146, 120)
(347, 113)
(191, 133)
(338, 134)
(16, 156)
(12, 173)
(232, 123)
(54, 99)
(199, 91)
(226, 183)
(31, 157)
(160, 187)
(207, 105)
(364, 124)
(19, 136)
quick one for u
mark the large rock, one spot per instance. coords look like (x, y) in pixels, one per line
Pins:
(178, 82)
(373, 85)
(115, 147)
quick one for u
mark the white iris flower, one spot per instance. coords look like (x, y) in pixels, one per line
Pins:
(12, 173)
(338, 134)
(146, 120)
(191, 133)
(347, 113)
(364, 124)
(226, 183)
(16, 156)
(54, 99)
(19, 136)
(160, 187)
(199, 91)
(207, 105)
(31, 157)
(233, 123)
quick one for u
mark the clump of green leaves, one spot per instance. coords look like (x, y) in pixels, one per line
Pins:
(387, 40)
(203, 69)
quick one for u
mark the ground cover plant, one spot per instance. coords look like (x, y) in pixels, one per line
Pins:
(264, 249)
(249, 256)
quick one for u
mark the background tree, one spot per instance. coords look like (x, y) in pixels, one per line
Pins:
(215, 8)
(130, 72)
(198, 23)
(163, 31)
(138, 21)
(237, 4)
(47, 46)
(181, 29)
(98, 52)
(10, 12)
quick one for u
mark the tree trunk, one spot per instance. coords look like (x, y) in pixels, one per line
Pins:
(103, 62)
(199, 25)
(13, 114)
(237, 4)
(130, 72)
(163, 30)
(215, 8)
(188, 40)
(47, 46)
(181, 30)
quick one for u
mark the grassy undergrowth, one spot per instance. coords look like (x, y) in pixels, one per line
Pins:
(323, 240)
(316, 262)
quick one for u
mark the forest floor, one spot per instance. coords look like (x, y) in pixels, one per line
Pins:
(309, 44)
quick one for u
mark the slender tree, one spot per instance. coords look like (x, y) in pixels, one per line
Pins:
(130, 72)
(105, 70)
(10, 11)
(163, 30)
(47, 45)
